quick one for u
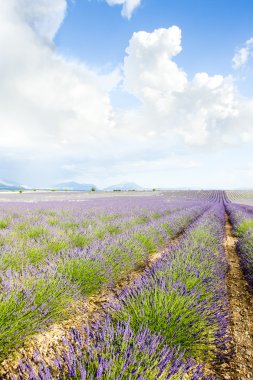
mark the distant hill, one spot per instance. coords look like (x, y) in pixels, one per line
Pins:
(74, 186)
(4, 185)
(126, 186)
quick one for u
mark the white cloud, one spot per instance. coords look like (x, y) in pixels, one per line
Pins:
(149, 70)
(128, 6)
(242, 55)
(43, 16)
(205, 111)
(48, 104)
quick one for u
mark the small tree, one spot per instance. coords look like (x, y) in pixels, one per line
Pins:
(93, 188)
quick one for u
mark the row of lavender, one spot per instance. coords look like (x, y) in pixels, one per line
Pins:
(35, 293)
(171, 319)
(31, 234)
(241, 218)
(240, 196)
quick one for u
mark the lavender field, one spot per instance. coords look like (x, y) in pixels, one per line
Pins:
(157, 267)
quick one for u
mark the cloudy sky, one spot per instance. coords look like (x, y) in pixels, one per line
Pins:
(105, 91)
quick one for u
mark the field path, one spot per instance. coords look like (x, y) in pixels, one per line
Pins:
(240, 366)
(49, 342)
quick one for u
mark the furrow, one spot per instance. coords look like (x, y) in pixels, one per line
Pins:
(240, 366)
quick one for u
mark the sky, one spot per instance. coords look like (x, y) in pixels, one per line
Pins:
(157, 92)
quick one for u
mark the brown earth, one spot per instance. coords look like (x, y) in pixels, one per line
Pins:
(240, 367)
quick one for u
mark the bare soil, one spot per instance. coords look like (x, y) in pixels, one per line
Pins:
(240, 367)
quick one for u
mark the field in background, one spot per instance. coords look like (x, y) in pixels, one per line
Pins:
(241, 196)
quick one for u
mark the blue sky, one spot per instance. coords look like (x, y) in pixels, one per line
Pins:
(159, 92)
(211, 29)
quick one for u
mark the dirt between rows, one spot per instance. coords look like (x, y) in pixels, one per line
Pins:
(240, 367)
(49, 342)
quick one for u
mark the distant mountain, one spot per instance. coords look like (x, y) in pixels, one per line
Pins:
(72, 186)
(126, 186)
(7, 185)
(75, 186)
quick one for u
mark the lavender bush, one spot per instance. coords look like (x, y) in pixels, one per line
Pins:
(112, 352)
(184, 295)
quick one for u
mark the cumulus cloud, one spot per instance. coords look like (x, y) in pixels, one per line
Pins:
(128, 6)
(242, 55)
(205, 111)
(149, 70)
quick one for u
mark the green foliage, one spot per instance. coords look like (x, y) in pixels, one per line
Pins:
(174, 315)
(152, 240)
(3, 224)
(139, 220)
(12, 261)
(53, 221)
(21, 226)
(113, 230)
(147, 241)
(3, 240)
(78, 240)
(69, 225)
(108, 218)
(35, 255)
(55, 246)
(100, 232)
(36, 232)
(244, 226)
(23, 311)
(167, 228)
(49, 212)
(87, 274)
(155, 215)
